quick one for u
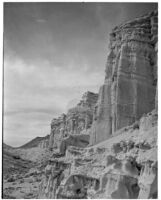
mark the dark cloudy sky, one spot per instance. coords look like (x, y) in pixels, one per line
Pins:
(53, 53)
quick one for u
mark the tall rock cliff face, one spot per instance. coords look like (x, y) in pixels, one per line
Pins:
(78, 120)
(121, 162)
(131, 76)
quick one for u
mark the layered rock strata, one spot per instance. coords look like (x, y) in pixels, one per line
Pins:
(123, 167)
(131, 76)
(121, 160)
(78, 120)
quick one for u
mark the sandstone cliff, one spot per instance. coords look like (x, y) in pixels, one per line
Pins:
(121, 160)
(77, 121)
(123, 167)
(131, 76)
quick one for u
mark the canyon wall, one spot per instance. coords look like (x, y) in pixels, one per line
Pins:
(131, 77)
(78, 120)
(122, 167)
(121, 122)
(129, 89)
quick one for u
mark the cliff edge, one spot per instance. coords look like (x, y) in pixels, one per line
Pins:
(106, 146)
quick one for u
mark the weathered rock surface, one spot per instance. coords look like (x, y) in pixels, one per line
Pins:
(77, 121)
(106, 146)
(148, 181)
(131, 75)
(122, 167)
(81, 140)
(121, 160)
(20, 181)
(55, 172)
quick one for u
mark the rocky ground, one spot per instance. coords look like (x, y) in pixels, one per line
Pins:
(124, 166)
(21, 172)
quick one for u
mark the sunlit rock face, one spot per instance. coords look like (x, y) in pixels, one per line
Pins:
(129, 89)
(123, 167)
(121, 125)
(81, 140)
(148, 181)
(77, 121)
(81, 116)
(55, 171)
(57, 131)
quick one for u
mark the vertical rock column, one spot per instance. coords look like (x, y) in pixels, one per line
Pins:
(131, 72)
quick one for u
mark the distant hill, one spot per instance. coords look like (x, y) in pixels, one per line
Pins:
(7, 147)
(12, 162)
(34, 143)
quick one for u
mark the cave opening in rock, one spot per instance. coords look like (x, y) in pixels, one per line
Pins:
(78, 191)
(139, 167)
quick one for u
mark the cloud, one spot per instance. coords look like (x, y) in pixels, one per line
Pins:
(53, 53)
(23, 127)
(41, 92)
(40, 20)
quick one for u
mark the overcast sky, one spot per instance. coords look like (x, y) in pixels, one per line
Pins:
(53, 53)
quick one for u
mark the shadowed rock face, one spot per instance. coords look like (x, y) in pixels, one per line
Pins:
(77, 186)
(77, 121)
(131, 75)
(119, 186)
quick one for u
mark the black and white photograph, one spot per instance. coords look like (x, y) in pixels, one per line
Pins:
(80, 100)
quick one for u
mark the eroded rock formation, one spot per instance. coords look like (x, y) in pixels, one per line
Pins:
(124, 166)
(148, 181)
(131, 75)
(121, 160)
(77, 121)
(81, 140)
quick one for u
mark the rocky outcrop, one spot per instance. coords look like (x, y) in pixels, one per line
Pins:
(121, 160)
(54, 173)
(148, 181)
(131, 75)
(119, 186)
(77, 121)
(57, 131)
(81, 141)
(77, 186)
(122, 167)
